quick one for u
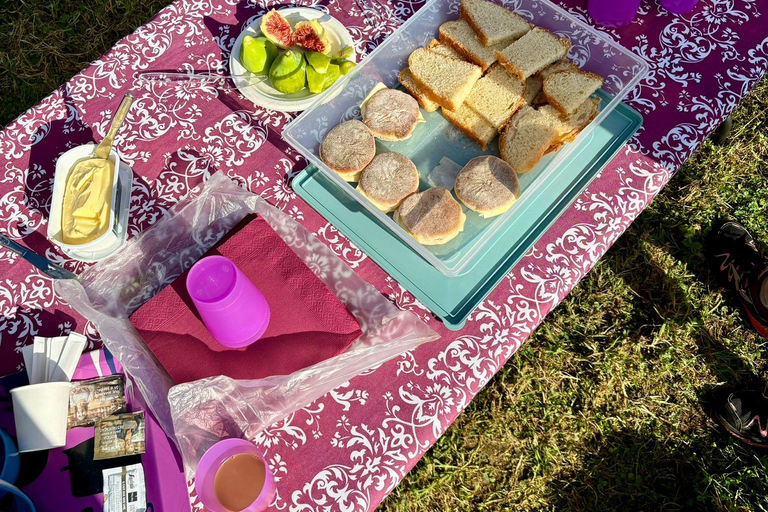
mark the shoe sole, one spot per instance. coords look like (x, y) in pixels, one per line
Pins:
(737, 436)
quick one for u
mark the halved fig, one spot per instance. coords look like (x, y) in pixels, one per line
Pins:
(310, 35)
(277, 29)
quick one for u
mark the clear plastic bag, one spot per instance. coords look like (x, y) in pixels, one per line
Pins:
(197, 414)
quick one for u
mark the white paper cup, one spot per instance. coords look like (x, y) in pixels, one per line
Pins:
(40, 411)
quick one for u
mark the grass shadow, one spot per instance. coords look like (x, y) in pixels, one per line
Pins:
(629, 470)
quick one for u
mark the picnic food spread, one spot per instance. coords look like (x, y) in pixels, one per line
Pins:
(491, 91)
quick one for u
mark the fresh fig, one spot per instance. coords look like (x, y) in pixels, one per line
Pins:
(310, 35)
(318, 61)
(277, 29)
(343, 54)
(288, 72)
(315, 80)
(333, 74)
(346, 66)
(257, 54)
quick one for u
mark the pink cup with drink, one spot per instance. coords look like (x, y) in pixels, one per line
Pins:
(232, 476)
(232, 308)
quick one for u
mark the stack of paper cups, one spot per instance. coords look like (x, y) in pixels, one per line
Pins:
(40, 411)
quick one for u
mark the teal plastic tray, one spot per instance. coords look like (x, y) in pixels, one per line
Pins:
(453, 299)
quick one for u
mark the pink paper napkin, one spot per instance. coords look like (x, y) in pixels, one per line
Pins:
(308, 322)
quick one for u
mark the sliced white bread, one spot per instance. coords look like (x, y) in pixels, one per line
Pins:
(570, 125)
(533, 52)
(461, 38)
(561, 65)
(567, 90)
(487, 185)
(447, 81)
(472, 125)
(493, 23)
(496, 96)
(444, 50)
(532, 89)
(432, 217)
(406, 79)
(527, 138)
(536, 99)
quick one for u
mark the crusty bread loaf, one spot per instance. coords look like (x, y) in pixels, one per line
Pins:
(496, 96)
(570, 125)
(388, 179)
(487, 185)
(447, 81)
(407, 81)
(472, 125)
(493, 23)
(347, 148)
(461, 38)
(527, 138)
(567, 90)
(432, 217)
(391, 114)
(533, 52)
(444, 50)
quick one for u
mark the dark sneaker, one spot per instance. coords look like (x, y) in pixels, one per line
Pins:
(740, 267)
(745, 415)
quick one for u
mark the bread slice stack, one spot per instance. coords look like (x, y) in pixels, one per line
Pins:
(527, 138)
(567, 90)
(496, 96)
(488, 71)
(493, 23)
(533, 52)
(461, 37)
(471, 124)
(446, 81)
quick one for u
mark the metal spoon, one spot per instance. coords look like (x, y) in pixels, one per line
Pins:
(172, 76)
(102, 150)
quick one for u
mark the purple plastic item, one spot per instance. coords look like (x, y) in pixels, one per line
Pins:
(210, 463)
(613, 13)
(678, 6)
(232, 308)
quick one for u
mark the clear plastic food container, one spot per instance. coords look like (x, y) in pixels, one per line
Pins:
(436, 147)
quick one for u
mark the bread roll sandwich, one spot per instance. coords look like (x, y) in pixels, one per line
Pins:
(347, 148)
(391, 114)
(388, 179)
(487, 185)
(432, 217)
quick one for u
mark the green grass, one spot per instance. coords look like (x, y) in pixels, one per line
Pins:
(607, 405)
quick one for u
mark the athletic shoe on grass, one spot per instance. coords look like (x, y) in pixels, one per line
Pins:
(741, 267)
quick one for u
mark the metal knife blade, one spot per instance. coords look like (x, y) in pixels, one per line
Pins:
(47, 267)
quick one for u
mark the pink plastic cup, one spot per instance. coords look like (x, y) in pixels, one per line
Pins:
(233, 310)
(210, 463)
